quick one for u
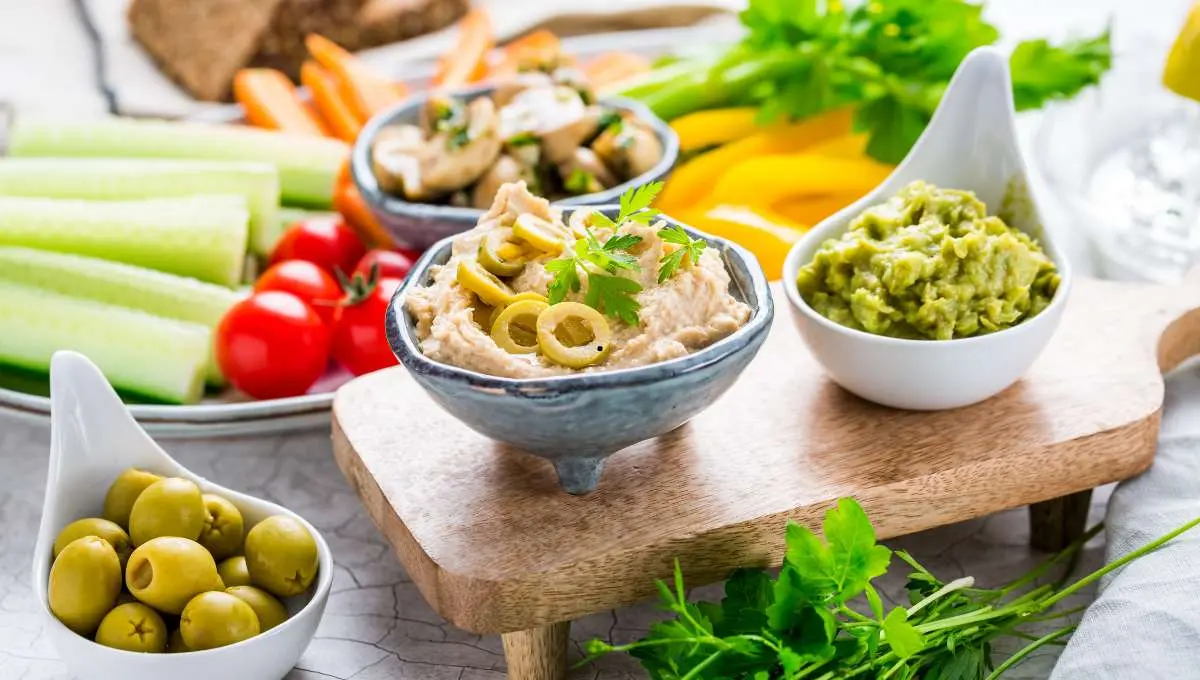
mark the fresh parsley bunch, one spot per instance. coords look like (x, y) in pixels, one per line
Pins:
(890, 59)
(803, 625)
(601, 264)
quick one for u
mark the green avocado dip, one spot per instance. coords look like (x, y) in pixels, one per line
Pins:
(929, 263)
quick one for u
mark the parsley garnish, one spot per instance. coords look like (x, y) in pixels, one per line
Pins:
(689, 248)
(458, 139)
(522, 139)
(610, 119)
(579, 182)
(601, 263)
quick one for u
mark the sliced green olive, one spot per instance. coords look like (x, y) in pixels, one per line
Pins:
(568, 313)
(573, 332)
(538, 233)
(500, 257)
(473, 277)
(530, 295)
(482, 313)
(515, 330)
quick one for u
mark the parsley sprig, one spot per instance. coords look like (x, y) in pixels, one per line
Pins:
(602, 263)
(689, 250)
(802, 625)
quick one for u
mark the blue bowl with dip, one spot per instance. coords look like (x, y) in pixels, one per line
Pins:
(577, 421)
(420, 225)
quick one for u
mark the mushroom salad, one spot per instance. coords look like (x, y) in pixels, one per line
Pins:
(545, 129)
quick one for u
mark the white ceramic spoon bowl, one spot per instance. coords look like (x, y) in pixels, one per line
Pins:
(93, 439)
(971, 144)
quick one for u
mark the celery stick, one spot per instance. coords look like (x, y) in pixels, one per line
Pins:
(117, 179)
(199, 236)
(307, 165)
(160, 358)
(153, 292)
(290, 216)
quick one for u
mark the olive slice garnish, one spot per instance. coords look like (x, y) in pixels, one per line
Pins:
(539, 233)
(499, 256)
(515, 330)
(564, 316)
(473, 277)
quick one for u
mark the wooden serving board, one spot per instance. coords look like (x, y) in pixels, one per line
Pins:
(496, 546)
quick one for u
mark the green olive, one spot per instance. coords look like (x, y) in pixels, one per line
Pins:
(216, 619)
(85, 581)
(482, 312)
(223, 527)
(515, 330)
(567, 314)
(539, 233)
(269, 610)
(175, 644)
(118, 502)
(168, 507)
(94, 526)
(473, 277)
(500, 257)
(528, 295)
(233, 572)
(281, 556)
(133, 627)
(167, 571)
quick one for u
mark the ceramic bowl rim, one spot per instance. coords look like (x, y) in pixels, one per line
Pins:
(321, 587)
(839, 222)
(404, 344)
(368, 186)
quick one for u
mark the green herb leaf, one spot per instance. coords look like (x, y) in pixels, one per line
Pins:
(691, 249)
(748, 595)
(579, 182)
(622, 242)
(635, 203)
(900, 634)
(1041, 71)
(856, 559)
(522, 139)
(613, 295)
(565, 281)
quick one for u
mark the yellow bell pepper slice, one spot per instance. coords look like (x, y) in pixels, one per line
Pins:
(691, 183)
(1181, 74)
(846, 146)
(715, 126)
(814, 209)
(769, 179)
(765, 233)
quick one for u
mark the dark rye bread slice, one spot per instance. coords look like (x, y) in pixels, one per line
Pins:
(201, 44)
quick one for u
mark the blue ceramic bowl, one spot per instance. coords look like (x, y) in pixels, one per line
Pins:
(576, 421)
(420, 225)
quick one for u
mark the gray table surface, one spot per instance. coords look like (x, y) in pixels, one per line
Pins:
(377, 625)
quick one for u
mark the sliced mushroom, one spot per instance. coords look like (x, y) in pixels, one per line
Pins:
(555, 114)
(572, 77)
(506, 169)
(442, 112)
(630, 148)
(510, 88)
(396, 160)
(461, 155)
(585, 173)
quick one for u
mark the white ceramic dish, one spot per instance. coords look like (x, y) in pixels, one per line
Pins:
(971, 144)
(93, 438)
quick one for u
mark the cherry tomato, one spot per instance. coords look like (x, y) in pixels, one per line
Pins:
(306, 281)
(326, 242)
(272, 345)
(359, 341)
(412, 255)
(392, 264)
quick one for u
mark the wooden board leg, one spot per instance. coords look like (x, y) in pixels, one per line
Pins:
(537, 653)
(1053, 524)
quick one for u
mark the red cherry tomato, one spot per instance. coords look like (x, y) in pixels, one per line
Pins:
(306, 281)
(412, 255)
(326, 242)
(272, 345)
(359, 341)
(392, 264)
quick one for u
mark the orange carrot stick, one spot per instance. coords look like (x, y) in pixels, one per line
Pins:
(612, 67)
(271, 102)
(335, 111)
(466, 61)
(366, 91)
(349, 202)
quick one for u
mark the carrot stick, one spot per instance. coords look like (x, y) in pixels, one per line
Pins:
(349, 202)
(532, 50)
(271, 102)
(335, 111)
(366, 91)
(466, 61)
(612, 67)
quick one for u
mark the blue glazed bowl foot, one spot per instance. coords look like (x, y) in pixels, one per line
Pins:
(578, 475)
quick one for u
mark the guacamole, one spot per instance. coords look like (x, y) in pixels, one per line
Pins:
(929, 263)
